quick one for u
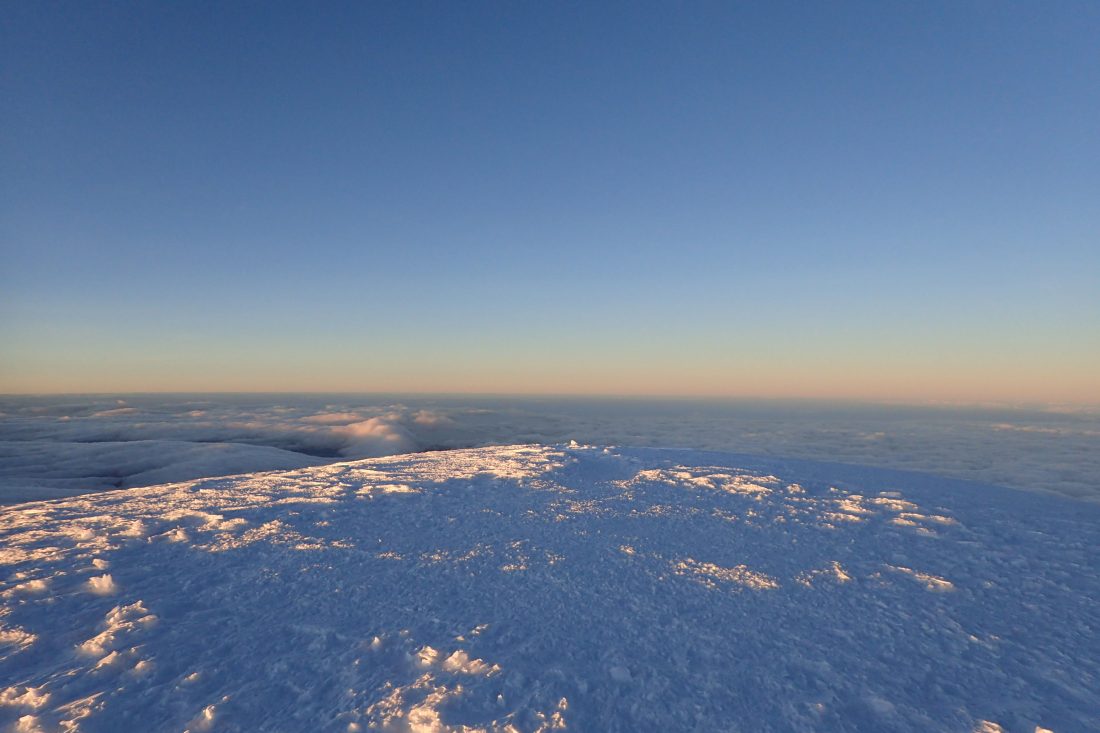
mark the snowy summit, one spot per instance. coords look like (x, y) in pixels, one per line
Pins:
(535, 588)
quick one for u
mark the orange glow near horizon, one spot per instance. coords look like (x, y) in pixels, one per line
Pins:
(837, 382)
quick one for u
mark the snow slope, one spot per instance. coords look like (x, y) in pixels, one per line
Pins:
(536, 588)
(41, 469)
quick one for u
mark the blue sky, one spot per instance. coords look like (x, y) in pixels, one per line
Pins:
(878, 200)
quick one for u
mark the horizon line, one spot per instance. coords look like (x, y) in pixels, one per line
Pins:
(900, 402)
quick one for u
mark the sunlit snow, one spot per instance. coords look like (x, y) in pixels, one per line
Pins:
(532, 588)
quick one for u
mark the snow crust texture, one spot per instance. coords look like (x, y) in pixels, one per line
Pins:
(536, 588)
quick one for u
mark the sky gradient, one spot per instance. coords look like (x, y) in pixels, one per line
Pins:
(851, 200)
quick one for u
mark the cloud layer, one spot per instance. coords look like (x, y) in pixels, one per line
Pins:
(58, 446)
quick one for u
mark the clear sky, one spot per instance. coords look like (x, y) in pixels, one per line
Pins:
(893, 200)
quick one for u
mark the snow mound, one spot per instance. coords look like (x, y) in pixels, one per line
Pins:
(536, 588)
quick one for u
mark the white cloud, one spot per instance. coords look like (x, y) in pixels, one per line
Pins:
(378, 436)
(333, 418)
(431, 419)
(116, 412)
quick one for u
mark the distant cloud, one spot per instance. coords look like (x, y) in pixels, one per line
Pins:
(64, 445)
(428, 418)
(378, 436)
(116, 412)
(333, 418)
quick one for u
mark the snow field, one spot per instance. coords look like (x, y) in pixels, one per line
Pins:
(534, 588)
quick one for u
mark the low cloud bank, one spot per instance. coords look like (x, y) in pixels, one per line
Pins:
(59, 446)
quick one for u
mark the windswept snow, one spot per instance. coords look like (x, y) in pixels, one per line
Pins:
(532, 588)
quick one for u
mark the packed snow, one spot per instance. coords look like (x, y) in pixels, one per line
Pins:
(536, 588)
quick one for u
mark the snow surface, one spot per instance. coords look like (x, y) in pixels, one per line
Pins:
(535, 588)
